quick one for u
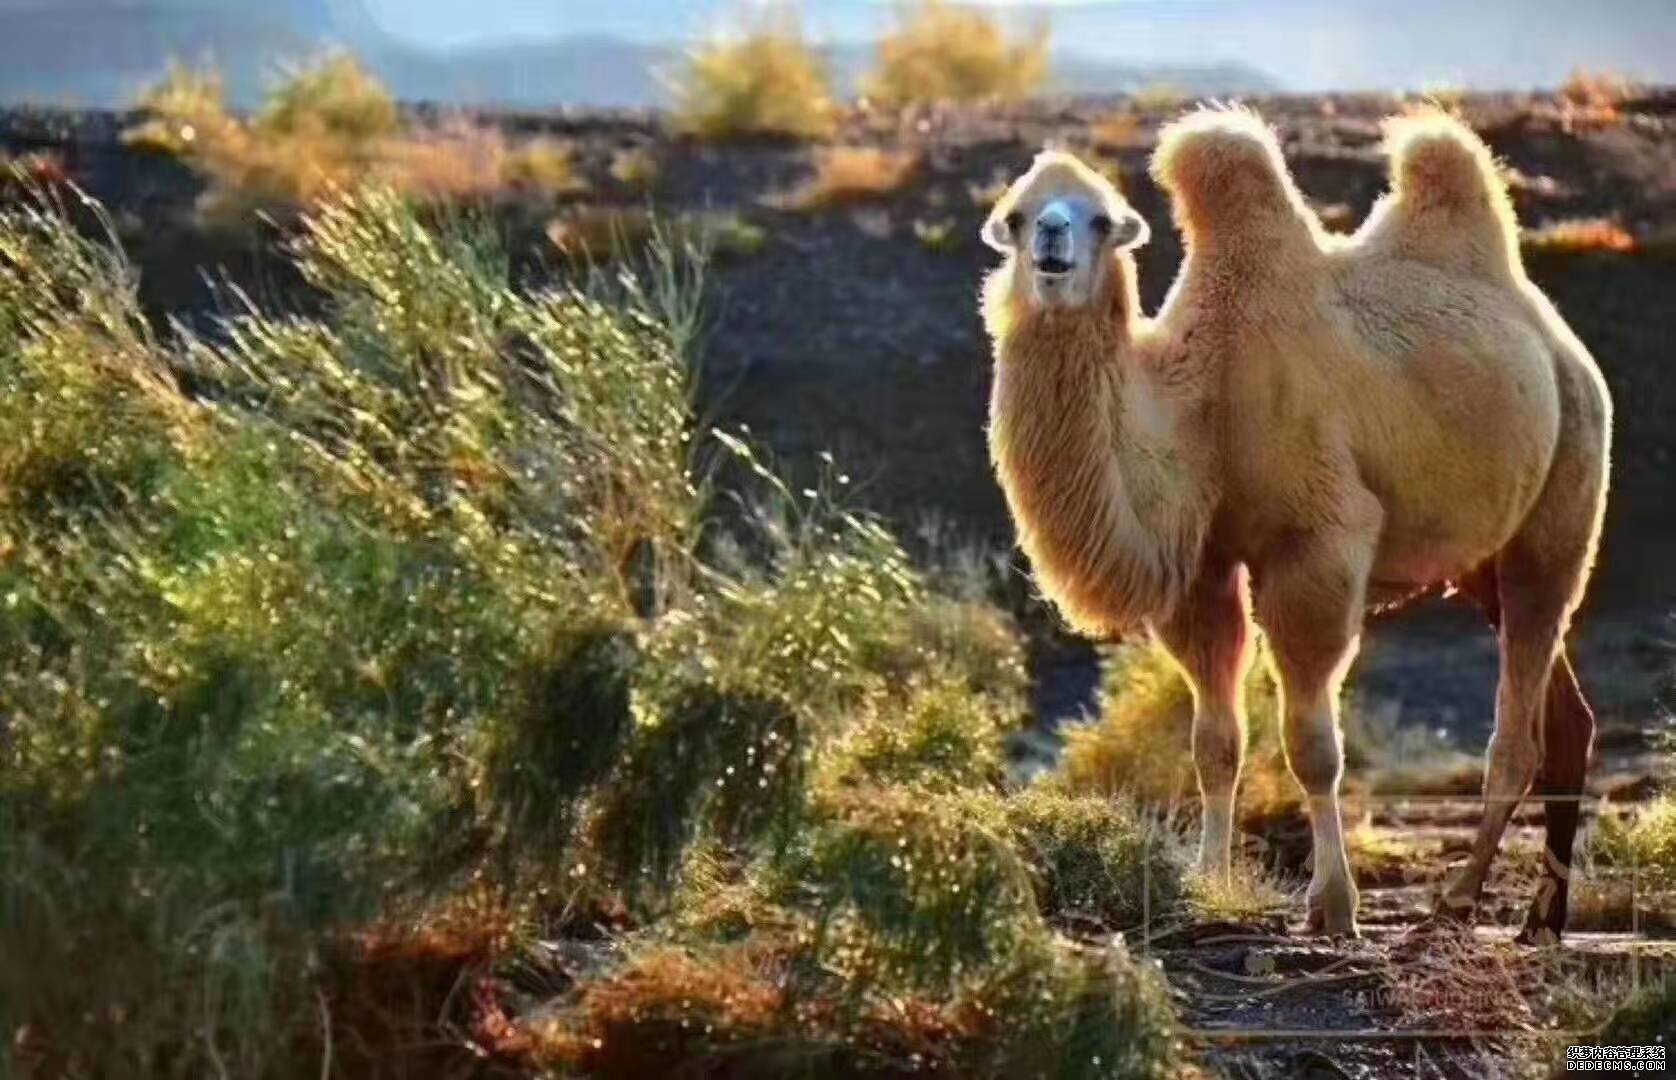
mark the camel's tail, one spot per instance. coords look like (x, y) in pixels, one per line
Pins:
(1223, 170)
(1449, 204)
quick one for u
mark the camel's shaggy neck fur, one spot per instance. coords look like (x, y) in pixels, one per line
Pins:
(1103, 450)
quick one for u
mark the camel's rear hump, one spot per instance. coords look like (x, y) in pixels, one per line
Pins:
(1224, 172)
(1448, 205)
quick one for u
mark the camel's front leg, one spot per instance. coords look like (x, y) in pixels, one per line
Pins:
(1310, 605)
(1209, 636)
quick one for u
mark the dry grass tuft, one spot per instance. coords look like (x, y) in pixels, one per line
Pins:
(943, 52)
(635, 167)
(328, 127)
(1591, 100)
(603, 234)
(937, 235)
(1124, 130)
(1160, 98)
(1251, 894)
(762, 81)
(1579, 235)
(1141, 743)
(1598, 89)
(845, 175)
(1640, 845)
(1097, 861)
(600, 234)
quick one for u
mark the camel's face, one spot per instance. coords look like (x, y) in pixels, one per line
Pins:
(1062, 221)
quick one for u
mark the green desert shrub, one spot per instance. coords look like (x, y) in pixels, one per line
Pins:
(935, 734)
(1096, 861)
(916, 884)
(252, 642)
(566, 734)
(711, 763)
(970, 637)
(317, 624)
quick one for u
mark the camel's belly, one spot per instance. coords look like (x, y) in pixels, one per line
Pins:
(1412, 563)
(1432, 535)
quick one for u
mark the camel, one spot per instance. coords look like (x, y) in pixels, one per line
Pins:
(1312, 427)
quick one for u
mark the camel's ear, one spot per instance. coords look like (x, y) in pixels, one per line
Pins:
(1129, 230)
(997, 232)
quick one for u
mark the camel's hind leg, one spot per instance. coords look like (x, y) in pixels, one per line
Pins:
(1569, 729)
(1540, 577)
(1568, 732)
(1209, 636)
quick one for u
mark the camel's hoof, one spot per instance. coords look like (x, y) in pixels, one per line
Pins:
(1545, 920)
(1332, 917)
(1537, 936)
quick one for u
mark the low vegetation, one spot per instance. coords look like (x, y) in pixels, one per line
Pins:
(329, 126)
(635, 167)
(355, 655)
(938, 234)
(850, 174)
(1577, 236)
(1640, 848)
(761, 80)
(1140, 744)
(941, 51)
(594, 235)
(1594, 99)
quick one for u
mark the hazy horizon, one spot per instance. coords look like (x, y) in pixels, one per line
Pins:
(547, 52)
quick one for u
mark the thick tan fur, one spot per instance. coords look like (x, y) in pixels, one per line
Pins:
(1448, 206)
(1349, 420)
(1085, 449)
(1224, 168)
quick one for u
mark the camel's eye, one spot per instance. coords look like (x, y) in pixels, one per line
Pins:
(1015, 221)
(1102, 224)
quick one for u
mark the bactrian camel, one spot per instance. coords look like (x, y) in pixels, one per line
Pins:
(1311, 427)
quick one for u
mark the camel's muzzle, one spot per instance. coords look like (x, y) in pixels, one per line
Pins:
(1052, 247)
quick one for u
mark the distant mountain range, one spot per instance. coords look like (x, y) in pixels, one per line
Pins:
(102, 52)
(622, 53)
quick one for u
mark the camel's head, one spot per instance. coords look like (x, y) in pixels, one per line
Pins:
(1061, 222)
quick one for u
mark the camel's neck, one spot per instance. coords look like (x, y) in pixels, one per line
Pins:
(1107, 464)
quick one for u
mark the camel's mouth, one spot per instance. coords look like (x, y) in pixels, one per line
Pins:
(1054, 267)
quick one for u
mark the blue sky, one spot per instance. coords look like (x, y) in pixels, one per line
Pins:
(1305, 44)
